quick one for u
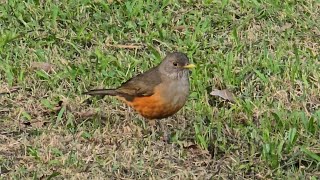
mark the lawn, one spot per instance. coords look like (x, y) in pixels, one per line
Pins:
(266, 52)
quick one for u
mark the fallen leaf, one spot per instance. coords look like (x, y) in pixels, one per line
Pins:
(225, 94)
(87, 114)
(47, 67)
(180, 28)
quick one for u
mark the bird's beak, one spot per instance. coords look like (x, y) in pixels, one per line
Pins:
(189, 66)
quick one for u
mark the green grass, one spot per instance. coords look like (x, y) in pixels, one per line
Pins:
(266, 52)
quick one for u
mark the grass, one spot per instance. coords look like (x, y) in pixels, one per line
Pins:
(265, 52)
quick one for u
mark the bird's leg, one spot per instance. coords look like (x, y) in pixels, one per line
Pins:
(129, 111)
(159, 127)
(152, 124)
(164, 129)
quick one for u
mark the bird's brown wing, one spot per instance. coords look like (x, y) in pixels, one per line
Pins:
(140, 85)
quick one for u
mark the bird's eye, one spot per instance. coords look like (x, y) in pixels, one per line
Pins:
(175, 64)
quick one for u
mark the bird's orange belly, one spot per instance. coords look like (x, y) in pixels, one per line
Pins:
(153, 107)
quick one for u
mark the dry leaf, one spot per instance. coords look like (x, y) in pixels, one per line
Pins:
(225, 94)
(47, 67)
(180, 28)
(87, 114)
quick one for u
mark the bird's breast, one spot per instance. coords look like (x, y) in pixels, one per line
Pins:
(176, 92)
(168, 98)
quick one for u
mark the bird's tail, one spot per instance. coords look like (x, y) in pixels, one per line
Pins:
(101, 92)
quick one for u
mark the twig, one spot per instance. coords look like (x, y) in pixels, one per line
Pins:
(12, 90)
(125, 46)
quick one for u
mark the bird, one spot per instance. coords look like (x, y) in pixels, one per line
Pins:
(157, 93)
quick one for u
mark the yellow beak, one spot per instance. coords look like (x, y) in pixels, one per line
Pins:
(189, 66)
